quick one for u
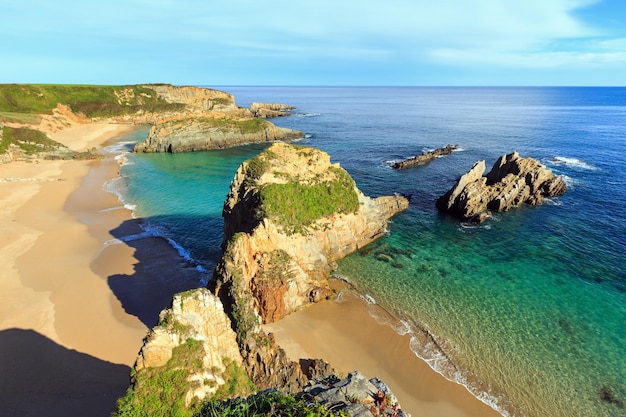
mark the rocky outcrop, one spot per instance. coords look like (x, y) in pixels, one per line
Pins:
(289, 216)
(269, 110)
(195, 98)
(353, 396)
(512, 181)
(193, 335)
(208, 131)
(425, 157)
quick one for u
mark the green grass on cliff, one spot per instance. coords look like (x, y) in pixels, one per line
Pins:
(296, 205)
(243, 126)
(92, 101)
(30, 140)
(260, 405)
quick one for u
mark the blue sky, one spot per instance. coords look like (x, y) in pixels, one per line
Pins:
(321, 42)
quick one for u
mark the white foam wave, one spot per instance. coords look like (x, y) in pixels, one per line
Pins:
(369, 299)
(573, 162)
(426, 346)
(569, 181)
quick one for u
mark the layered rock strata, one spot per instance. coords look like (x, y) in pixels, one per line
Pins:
(269, 110)
(425, 157)
(209, 131)
(512, 181)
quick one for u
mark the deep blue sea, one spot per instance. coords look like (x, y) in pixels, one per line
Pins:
(527, 310)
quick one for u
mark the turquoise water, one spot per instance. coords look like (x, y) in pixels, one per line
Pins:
(527, 310)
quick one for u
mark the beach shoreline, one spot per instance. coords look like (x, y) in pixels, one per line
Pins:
(69, 331)
(345, 333)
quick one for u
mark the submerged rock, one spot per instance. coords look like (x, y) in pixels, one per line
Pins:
(512, 181)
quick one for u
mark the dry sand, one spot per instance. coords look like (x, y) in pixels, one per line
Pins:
(349, 338)
(74, 310)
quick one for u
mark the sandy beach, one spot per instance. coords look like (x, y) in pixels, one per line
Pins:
(349, 338)
(69, 331)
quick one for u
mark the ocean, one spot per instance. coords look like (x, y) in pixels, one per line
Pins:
(527, 310)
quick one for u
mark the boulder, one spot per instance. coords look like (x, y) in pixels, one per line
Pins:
(425, 157)
(512, 181)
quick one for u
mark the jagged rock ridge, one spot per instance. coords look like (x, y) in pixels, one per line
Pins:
(425, 157)
(512, 181)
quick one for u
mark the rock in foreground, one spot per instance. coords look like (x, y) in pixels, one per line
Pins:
(512, 181)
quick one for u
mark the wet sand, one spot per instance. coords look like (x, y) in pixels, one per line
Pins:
(349, 338)
(86, 303)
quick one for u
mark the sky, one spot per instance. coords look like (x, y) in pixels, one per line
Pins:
(321, 42)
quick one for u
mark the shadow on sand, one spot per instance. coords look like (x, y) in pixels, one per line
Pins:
(160, 272)
(41, 378)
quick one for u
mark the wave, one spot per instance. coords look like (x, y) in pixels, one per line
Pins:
(573, 162)
(306, 114)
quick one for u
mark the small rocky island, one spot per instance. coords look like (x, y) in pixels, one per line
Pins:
(425, 157)
(512, 181)
(289, 216)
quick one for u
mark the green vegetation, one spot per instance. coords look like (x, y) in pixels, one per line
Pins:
(30, 140)
(27, 118)
(160, 391)
(237, 382)
(297, 205)
(243, 126)
(268, 404)
(92, 101)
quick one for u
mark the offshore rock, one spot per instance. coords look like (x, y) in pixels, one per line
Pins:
(206, 131)
(269, 110)
(512, 181)
(425, 157)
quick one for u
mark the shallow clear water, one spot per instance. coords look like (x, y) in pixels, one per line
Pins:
(528, 310)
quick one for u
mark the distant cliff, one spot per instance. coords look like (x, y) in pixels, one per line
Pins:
(206, 131)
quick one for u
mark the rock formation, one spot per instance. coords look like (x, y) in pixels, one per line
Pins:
(512, 181)
(195, 98)
(193, 335)
(269, 110)
(289, 216)
(208, 131)
(425, 157)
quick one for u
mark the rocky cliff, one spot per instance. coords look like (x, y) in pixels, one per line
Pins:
(195, 98)
(289, 216)
(210, 131)
(512, 181)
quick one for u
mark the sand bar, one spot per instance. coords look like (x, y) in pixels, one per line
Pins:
(349, 338)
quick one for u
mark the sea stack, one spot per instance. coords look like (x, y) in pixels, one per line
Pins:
(512, 181)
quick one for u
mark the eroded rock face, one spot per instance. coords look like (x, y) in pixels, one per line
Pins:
(208, 131)
(269, 110)
(196, 319)
(512, 181)
(195, 98)
(284, 264)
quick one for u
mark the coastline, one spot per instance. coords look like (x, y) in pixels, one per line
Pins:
(79, 297)
(345, 334)
(68, 332)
